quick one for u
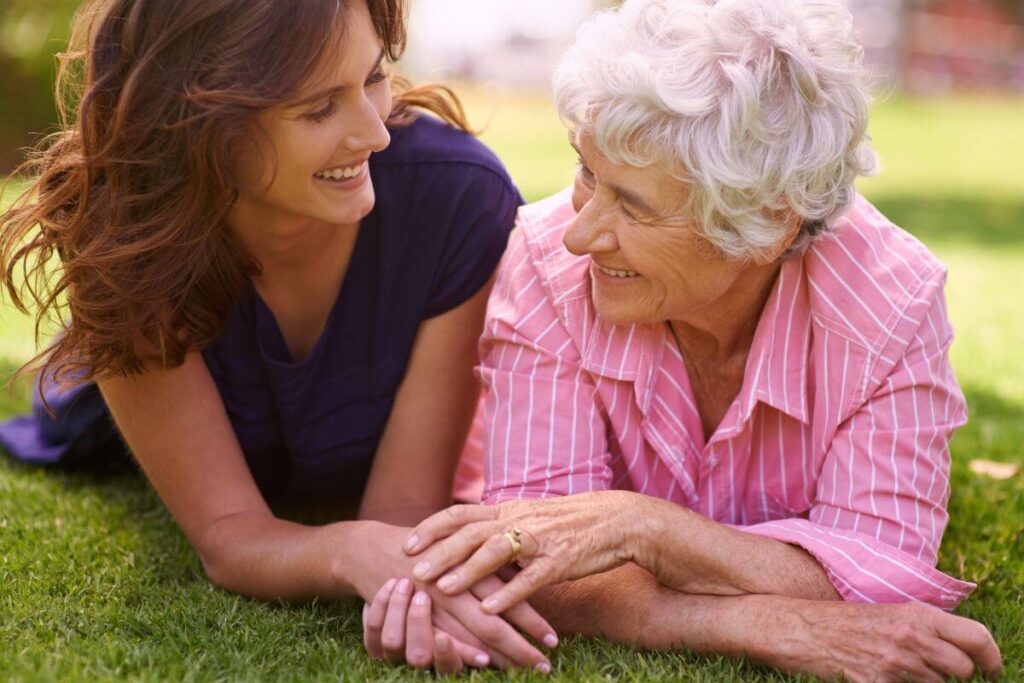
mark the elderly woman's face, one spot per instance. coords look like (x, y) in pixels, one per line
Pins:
(648, 263)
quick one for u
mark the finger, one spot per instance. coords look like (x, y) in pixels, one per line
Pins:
(373, 619)
(419, 632)
(536, 575)
(948, 660)
(453, 550)
(495, 553)
(522, 616)
(975, 641)
(446, 522)
(472, 650)
(392, 635)
(498, 635)
(447, 660)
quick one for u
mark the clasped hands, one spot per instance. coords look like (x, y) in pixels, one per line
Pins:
(559, 540)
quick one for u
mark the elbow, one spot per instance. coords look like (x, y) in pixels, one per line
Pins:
(216, 571)
(213, 547)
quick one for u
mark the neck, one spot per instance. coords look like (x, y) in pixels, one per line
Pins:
(281, 243)
(725, 328)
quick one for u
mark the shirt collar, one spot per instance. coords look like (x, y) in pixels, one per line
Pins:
(776, 369)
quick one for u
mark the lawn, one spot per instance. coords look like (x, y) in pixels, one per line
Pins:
(96, 582)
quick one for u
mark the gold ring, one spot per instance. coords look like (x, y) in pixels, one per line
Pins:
(514, 536)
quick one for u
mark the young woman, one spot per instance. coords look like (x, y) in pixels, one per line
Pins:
(275, 273)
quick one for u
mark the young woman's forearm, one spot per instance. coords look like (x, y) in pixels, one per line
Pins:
(268, 558)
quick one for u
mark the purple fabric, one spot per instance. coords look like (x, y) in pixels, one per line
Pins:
(444, 209)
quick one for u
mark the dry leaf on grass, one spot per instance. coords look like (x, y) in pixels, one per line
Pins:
(996, 470)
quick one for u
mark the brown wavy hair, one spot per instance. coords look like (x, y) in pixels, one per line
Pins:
(122, 237)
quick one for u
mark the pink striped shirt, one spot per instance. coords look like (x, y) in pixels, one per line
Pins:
(838, 440)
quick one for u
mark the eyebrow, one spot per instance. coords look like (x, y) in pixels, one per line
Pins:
(627, 196)
(326, 92)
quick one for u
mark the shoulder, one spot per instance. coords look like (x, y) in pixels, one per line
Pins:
(430, 145)
(870, 280)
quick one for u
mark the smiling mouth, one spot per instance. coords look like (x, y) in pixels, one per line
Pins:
(341, 172)
(617, 273)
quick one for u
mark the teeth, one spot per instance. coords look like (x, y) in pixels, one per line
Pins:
(341, 172)
(617, 273)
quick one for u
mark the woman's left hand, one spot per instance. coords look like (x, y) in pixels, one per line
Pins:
(561, 539)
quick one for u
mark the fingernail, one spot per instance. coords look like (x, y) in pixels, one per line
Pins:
(389, 585)
(543, 667)
(490, 604)
(420, 598)
(551, 640)
(442, 644)
(482, 659)
(404, 586)
(447, 581)
(412, 542)
(421, 569)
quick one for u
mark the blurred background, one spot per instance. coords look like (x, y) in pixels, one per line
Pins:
(948, 125)
(927, 48)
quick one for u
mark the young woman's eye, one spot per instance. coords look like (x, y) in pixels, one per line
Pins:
(323, 114)
(378, 76)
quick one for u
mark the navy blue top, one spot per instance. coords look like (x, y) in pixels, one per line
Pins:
(444, 209)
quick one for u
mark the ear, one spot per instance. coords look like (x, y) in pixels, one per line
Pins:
(793, 223)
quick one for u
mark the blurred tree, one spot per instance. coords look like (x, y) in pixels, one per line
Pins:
(31, 33)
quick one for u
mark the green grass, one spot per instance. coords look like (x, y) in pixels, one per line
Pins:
(96, 582)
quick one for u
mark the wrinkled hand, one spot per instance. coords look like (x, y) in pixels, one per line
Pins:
(908, 641)
(563, 539)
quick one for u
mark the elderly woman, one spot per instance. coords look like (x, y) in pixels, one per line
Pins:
(725, 371)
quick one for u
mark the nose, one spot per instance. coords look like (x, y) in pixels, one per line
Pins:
(367, 131)
(590, 233)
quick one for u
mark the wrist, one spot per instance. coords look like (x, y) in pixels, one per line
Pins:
(364, 554)
(646, 533)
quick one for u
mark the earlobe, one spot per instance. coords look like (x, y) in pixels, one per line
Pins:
(793, 224)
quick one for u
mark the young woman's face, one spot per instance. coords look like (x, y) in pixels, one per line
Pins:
(317, 169)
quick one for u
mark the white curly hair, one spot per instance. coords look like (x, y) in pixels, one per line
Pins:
(759, 106)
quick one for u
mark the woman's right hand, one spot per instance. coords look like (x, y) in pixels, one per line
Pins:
(459, 616)
(398, 627)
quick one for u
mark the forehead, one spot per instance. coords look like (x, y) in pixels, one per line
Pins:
(351, 48)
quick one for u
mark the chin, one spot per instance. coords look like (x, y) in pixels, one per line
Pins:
(617, 314)
(352, 212)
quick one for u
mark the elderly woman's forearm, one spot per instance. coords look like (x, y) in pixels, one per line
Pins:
(628, 606)
(691, 553)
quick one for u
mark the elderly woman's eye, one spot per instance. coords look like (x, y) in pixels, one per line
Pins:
(585, 172)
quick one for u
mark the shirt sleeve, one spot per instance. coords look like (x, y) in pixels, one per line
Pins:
(484, 212)
(545, 434)
(880, 508)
